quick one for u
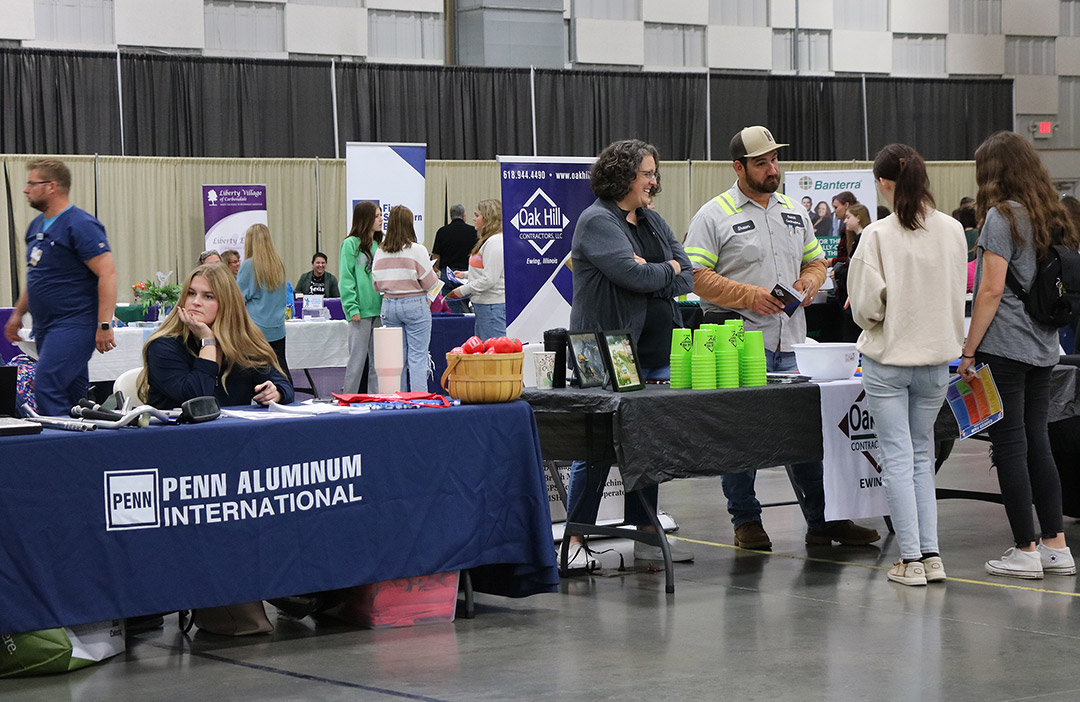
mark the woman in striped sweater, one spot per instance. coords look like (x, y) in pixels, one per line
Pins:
(402, 272)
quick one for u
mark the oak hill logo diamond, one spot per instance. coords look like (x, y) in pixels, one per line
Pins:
(858, 426)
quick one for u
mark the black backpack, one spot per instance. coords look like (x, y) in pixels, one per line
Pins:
(1054, 297)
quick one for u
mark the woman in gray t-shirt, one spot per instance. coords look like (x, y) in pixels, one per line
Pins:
(1019, 207)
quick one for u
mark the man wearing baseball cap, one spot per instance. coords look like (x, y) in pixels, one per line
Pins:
(741, 244)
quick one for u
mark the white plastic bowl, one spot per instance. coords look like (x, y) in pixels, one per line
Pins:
(830, 361)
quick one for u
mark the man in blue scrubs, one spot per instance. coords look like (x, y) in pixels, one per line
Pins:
(70, 289)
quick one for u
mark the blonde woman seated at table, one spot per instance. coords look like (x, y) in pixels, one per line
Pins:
(208, 345)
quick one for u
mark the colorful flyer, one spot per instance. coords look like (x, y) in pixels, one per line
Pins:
(975, 403)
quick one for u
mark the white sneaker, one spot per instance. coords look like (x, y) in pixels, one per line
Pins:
(907, 573)
(1057, 561)
(1015, 563)
(645, 552)
(579, 558)
(935, 569)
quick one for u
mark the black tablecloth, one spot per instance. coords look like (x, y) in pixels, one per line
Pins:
(657, 434)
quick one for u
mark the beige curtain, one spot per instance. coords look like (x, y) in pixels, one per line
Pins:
(465, 182)
(674, 203)
(152, 207)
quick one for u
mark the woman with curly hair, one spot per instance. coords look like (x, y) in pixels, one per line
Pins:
(208, 345)
(628, 269)
(1021, 217)
(486, 280)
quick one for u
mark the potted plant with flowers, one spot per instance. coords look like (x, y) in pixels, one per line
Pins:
(156, 298)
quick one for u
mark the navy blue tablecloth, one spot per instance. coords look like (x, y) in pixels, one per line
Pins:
(92, 525)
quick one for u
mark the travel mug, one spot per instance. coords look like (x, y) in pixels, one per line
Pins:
(556, 340)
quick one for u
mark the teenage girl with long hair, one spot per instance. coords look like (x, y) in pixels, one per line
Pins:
(262, 281)
(208, 345)
(402, 272)
(486, 279)
(906, 286)
(362, 305)
(1021, 217)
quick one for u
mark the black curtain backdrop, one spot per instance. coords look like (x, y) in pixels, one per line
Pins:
(461, 113)
(66, 102)
(58, 102)
(580, 112)
(942, 120)
(822, 118)
(195, 106)
(737, 102)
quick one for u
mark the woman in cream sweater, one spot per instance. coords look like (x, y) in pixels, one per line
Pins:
(486, 280)
(906, 285)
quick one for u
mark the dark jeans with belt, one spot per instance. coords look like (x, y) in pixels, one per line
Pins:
(1025, 466)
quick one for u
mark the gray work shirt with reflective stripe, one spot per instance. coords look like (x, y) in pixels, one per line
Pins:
(734, 236)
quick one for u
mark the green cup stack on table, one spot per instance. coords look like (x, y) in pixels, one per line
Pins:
(703, 361)
(752, 360)
(682, 347)
(729, 339)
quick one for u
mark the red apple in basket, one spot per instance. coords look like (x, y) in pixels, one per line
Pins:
(457, 349)
(473, 344)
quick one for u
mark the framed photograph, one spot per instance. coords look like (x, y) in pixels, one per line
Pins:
(587, 358)
(621, 360)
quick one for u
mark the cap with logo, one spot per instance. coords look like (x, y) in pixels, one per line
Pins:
(752, 141)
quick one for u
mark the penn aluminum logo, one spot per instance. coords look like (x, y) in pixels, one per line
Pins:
(132, 499)
(806, 183)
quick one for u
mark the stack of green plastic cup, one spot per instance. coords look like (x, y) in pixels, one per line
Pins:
(727, 356)
(752, 360)
(682, 346)
(703, 361)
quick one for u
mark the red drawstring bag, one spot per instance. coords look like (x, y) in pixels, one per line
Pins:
(345, 399)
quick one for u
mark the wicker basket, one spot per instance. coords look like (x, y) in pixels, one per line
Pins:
(477, 378)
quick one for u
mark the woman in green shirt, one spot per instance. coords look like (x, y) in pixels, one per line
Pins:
(361, 304)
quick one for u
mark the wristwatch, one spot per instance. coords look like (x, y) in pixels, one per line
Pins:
(210, 341)
(105, 325)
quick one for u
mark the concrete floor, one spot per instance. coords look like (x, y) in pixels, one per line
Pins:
(800, 624)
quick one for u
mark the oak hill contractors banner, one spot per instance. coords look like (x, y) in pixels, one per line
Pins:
(816, 190)
(228, 211)
(852, 474)
(388, 175)
(542, 198)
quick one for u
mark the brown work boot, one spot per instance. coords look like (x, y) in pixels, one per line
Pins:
(752, 535)
(845, 532)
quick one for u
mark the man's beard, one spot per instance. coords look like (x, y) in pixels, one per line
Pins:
(764, 186)
(40, 205)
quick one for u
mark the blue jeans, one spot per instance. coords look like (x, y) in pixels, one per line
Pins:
(490, 320)
(743, 504)
(589, 492)
(414, 315)
(905, 401)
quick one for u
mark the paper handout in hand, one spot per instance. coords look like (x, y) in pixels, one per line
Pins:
(975, 403)
(791, 297)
